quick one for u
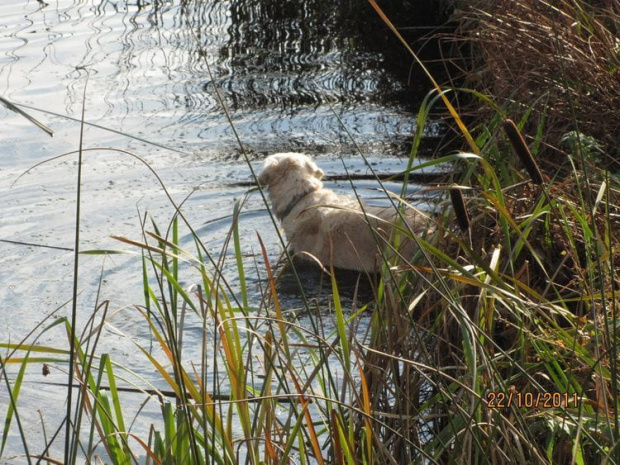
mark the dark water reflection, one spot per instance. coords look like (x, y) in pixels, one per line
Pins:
(293, 54)
(277, 64)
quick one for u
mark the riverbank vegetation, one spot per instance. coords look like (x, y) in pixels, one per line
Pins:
(557, 61)
(497, 344)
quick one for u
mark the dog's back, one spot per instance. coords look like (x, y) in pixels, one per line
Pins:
(332, 228)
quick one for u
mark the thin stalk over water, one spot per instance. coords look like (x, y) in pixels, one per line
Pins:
(71, 436)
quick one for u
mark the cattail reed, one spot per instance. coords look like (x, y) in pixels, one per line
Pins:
(459, 208)
(523, 151)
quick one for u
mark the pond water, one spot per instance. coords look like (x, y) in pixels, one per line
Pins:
(294, 76)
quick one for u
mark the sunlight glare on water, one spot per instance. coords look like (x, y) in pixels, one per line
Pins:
(276, 70)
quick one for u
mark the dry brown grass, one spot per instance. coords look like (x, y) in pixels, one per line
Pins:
(562, 57)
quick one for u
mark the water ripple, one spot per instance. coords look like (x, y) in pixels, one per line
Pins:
(278, 66)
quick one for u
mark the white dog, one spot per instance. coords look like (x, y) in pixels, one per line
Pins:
(334, 229)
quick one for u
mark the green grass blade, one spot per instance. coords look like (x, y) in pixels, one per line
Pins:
(12, 409)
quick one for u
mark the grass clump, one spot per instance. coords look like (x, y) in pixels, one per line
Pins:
(558, 59)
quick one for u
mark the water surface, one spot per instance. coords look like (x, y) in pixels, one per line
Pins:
(293, 76)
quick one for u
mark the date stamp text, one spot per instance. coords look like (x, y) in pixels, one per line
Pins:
(512, 398)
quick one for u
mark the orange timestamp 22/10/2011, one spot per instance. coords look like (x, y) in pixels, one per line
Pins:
(512, 398)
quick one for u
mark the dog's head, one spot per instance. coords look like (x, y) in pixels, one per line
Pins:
(290, 169)
(289, 177)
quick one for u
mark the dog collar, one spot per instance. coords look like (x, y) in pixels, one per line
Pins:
(291, 205)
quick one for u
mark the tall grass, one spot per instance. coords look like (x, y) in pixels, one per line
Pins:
(497, 343)
(558, 60)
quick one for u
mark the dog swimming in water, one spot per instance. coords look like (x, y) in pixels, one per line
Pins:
(334, 229)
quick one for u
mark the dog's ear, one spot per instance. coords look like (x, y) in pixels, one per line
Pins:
(314, 170)
(270, 168)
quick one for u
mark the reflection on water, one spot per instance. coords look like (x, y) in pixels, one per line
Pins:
(277, 64)
(295, 55)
